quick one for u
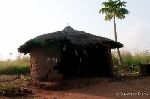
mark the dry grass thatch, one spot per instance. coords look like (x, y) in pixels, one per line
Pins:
(68, 36)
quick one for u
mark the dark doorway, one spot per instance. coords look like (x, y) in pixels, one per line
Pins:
(145, 69)
(87, 62)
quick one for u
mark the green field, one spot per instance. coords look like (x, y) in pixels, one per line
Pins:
(18, 66)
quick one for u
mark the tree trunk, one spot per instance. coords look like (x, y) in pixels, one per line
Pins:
(118, 51)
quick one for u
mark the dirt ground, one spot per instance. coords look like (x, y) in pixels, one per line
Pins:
(103, 89)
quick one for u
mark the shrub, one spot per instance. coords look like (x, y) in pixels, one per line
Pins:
(14, 87)
(131, 61)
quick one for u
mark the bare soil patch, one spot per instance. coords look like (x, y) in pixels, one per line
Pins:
(98, 88)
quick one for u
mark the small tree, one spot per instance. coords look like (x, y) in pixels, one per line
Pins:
(114, 9)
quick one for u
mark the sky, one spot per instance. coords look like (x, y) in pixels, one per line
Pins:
(21, 20)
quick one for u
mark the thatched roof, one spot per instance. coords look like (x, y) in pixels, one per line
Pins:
(68, 35)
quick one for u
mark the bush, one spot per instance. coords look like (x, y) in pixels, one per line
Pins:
(14, 87)
(131, 61)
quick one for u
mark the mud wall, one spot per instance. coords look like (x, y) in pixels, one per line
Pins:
(43, 61)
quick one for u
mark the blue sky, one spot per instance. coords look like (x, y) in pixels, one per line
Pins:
(21, 20)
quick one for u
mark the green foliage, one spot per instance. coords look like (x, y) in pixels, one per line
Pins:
(114, 8)
(18, 66)
(14, 69)
(14, 86)
(130, 59)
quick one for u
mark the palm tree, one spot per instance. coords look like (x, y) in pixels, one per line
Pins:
(114, 9)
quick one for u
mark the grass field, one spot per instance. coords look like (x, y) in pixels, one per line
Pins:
(130, 59)
(18, 66)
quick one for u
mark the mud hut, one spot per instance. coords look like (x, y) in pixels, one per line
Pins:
(145, 69)
(69, 53)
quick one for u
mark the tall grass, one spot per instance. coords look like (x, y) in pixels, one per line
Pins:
(18, 66)
(130, 59)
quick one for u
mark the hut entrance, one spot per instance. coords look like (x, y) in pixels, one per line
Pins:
(145, 69)
(98, 62)
(87, 62)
